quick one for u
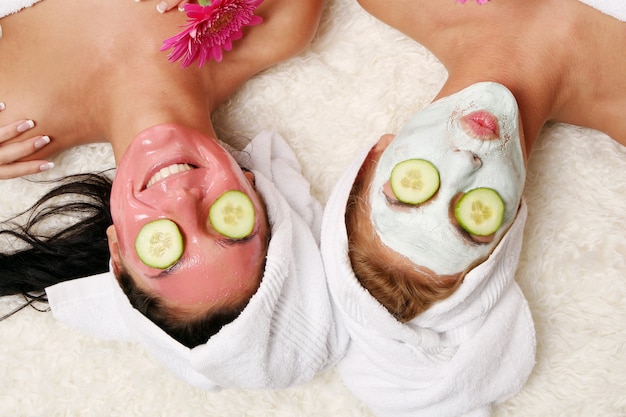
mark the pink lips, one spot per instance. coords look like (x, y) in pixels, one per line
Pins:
(481, 125)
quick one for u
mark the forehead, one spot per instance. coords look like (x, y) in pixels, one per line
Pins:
(233, 274)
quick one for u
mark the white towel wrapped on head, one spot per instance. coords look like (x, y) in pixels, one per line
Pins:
(284, 336)
(459, 357)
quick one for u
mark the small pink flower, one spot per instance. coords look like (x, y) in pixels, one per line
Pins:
(211, 29)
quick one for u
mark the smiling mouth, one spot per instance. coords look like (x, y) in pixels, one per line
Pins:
(168, 171)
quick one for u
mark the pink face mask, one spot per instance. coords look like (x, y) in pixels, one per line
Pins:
(174, 172)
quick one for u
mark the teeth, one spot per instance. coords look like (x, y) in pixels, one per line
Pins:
(167, 171)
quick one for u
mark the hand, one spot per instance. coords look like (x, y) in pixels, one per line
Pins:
(10, 153)
(167, 5)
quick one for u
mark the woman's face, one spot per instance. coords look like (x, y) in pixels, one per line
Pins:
(473, 140)
(213, 269)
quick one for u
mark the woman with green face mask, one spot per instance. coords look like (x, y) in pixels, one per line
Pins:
(422, 233)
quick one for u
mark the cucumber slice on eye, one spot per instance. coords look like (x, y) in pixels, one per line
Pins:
(159, 244)
(480, 211)
(232, 215)
(414, 181)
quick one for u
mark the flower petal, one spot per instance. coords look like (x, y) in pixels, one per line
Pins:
(211, 29)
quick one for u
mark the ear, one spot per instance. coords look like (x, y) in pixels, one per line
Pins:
(249, 176)
(381, 145)
(114, 250)
(366, 171)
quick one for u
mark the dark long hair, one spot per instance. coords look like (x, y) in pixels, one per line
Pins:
(77, 251)
(80, 250)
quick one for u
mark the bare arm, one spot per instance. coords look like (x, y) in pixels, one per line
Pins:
(415, 18)
(288, 27)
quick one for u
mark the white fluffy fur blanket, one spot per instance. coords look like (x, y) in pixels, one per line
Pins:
(360, 79)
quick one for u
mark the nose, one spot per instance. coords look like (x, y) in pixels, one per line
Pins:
(467, 161)
(463, 164)
(185, 206)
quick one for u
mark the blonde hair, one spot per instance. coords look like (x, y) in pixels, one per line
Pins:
(398, 286)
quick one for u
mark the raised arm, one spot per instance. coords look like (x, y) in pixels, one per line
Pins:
(288, 27)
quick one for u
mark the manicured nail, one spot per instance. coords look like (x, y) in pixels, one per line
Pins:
(181, 8)
(137, 1)
(162, 7)
(41, 142)
(24, 126)
(2, 106)
(0, 31)
(46, 166)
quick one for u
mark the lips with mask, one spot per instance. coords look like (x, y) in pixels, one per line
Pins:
(473, 140)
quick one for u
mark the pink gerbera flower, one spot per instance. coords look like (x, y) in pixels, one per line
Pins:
(210, 29)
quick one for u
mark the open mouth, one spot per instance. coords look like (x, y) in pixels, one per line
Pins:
(167, 171)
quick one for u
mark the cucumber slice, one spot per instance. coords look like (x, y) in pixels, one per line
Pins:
(232, 215)
(414, 181)
(480, 211)
(159, 244)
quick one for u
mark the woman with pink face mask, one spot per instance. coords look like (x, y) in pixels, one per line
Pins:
(206, 313)
(422, 233)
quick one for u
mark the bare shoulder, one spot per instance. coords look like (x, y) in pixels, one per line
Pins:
(595, 87)
(288, 27)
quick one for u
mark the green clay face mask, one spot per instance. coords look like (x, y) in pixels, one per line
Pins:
(472, 138)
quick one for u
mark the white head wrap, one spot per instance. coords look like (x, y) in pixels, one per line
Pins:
(284, 336)
(458, 357)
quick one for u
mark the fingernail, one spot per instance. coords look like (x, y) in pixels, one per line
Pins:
(181, 8)
(24, 126)
(41, 142)
(137, 1)
(2, 106)
(0, 31)
(162, 7)
(46, 166)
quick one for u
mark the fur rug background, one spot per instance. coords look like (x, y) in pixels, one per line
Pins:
(361, 79)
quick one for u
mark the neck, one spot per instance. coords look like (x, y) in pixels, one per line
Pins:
(185, 103)
(536, 100)
(532, 71)
(553, 75)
